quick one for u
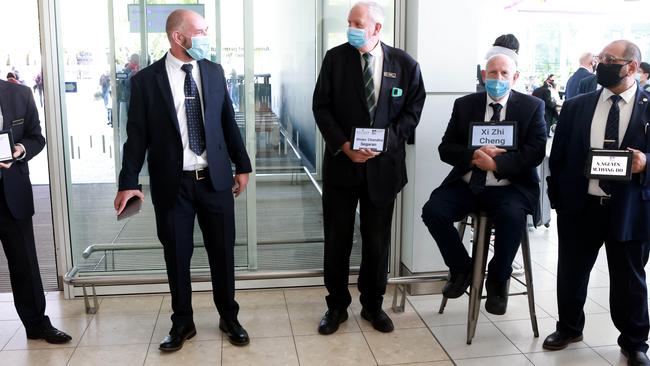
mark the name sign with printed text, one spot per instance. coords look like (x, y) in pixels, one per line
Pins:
(610, 165)
(6, 146)
(369, 139)
(500, 134)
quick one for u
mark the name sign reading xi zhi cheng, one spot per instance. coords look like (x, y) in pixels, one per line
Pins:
(499, 134)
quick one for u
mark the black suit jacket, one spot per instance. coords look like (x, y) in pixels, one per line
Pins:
(568, 184)
(550, 107)
(339, 106)
(517, 166)
(19, 114)
(588, 84)
(152, 128)
(573, 84)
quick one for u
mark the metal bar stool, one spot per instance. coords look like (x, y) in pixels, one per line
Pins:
(480, 246)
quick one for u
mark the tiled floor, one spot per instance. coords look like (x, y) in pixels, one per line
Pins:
(282, 324)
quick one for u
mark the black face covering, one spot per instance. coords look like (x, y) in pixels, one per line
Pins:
(609, 75)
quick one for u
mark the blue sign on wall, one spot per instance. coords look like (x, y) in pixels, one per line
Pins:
(157, 15)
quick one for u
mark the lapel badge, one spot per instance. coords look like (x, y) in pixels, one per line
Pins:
(391, 75)
(396, 92)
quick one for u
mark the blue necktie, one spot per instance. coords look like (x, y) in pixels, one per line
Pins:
(611, 134)
(369, 85)
(478, 178)
(195, 130)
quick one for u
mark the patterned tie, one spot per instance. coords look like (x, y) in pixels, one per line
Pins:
(611, 134)
(477, 180)
(195, 130)
(369, 85)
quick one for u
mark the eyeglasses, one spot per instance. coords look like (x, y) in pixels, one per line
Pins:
(609, 59)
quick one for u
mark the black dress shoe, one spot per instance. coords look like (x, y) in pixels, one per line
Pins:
(379, 320)
(237, 335)
(557, 341)
(635, 358)
(497, 296)
(49, 334)
(331, 320)
(177, 336)
(457, 284)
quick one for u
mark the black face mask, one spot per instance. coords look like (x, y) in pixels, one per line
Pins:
(609, 75)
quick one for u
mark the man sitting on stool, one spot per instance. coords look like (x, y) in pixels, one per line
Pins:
(502, 183)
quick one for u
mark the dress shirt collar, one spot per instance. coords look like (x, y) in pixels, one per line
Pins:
(503, 101)
(176, 63)
(375, 52)
(627, 95)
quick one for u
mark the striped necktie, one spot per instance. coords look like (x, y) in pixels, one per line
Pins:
(369, 85)
(195, 130)
(611, 134)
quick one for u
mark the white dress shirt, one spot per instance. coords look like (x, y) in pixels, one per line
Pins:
(176, 76)
(490, 179)
(378, 67)
(599, 124)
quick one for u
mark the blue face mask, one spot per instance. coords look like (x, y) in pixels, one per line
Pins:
(637, 77)
(357, 37)
(200, 48)
(497, 88)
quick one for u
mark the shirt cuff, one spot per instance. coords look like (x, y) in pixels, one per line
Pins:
(21, 157)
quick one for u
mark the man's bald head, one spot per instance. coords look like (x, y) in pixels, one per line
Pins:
(184, 21)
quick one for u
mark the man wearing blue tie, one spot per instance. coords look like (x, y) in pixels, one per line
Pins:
(591, 212)
(503, 183)
(181, 116)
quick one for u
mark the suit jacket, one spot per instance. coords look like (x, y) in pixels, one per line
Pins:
(517, 166)
(339, 106)
(152, 128)
(588, 84)
(550, 107)
(19, 114)
(568, 184)
(573, 84)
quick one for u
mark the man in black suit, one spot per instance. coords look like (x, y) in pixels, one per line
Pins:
(588, 84)
(591, 212)
(502, 183)
(585, 70)
(181, 117)
(362, 84)
(550, 106)
(18, 113)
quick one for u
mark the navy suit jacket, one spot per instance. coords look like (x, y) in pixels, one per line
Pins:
(339, 106)
(517, 166)
(19, 114)
(588, 84)
(567, 183)
(573, 84)
(152, 128)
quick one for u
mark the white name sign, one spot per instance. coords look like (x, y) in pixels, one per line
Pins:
(499, 134)
(6, 146)
(610, 164)
(369, 139)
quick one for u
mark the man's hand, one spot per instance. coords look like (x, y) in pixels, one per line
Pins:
(491, 150)
(241, 180)
(638, 161)
(360, 156)
(123, 197)
(18, 151)
(484, 161)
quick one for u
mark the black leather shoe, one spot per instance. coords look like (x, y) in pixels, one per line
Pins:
(457, 284)
(635, 358)
(331, 320)
(379, 320)
(237, 335)
(557, 341)
(497, 296)
(49, 334)
(177, 336)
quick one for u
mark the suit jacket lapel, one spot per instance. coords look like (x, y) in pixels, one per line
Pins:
(381, 112)
(588, 113)
(357, 72)
(636, 127)
(163, 84)
(512, 108)
(206, 90)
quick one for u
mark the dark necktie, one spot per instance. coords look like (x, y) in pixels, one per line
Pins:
(611, 134)
(477, 180)
(195, 130)
(369, 85)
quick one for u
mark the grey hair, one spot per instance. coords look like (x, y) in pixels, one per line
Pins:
(375, 11)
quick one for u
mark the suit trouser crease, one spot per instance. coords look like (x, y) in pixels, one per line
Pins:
(339, 212)
(581, 235)
(176, 231)
(506, 207)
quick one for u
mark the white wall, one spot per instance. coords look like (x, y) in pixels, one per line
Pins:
(446, 44)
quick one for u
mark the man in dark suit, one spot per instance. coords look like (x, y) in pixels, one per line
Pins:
(591, 211)
(362, 84)
(585, 70)
(550, 105)
(180, 115)
(588, 84)
(18, 113)
(502, 183)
